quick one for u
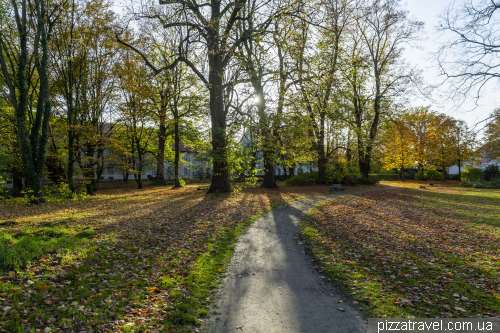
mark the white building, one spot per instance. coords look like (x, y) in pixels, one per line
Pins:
(192, 165)
(453, 170)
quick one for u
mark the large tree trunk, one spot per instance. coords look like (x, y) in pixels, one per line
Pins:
(17, 181)
(71, 121)
(139, 180)
(267, 144)
(177, 148)
(88, 168)
(21, 104)
(160, 158)
(40, 129)
(365, 163)
(269, 179)
(220, 179)
(321, 151)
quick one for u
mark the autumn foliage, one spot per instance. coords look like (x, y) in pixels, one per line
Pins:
(397, 259)
(148, 258)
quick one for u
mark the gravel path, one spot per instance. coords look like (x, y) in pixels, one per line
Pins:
(272, 286)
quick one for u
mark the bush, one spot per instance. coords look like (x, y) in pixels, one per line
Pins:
(350, 177)
(370, 180)
(393, 177)
(472, 174)
(494, 183)
(182, 182)
(433, 175)
(429, 175)
(304, 179)
(389, 177)
(491, 171)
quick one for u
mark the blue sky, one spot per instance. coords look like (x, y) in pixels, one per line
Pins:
(428, 12)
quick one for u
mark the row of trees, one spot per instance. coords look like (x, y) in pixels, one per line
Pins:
(104, 107)
(296, 81)
(426, 139)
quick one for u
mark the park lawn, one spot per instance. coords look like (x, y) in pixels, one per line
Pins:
(142, 260)
(479, 207)
(408, 252)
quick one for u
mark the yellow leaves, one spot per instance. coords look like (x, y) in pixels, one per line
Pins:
(43, 287)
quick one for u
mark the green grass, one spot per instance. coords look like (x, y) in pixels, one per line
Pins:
(480, 207)
(126, 261)
(395, 254)
(21, 248)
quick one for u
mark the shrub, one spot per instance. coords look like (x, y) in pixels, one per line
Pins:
(472, 174)
(429, 175)
(370, 180)
(182, 182)
(494, 183)
(433, 175)
(302, 179)
(386, 176)
(350, 177)
(491, 171)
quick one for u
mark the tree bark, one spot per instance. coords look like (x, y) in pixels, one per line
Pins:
(322, 158)
(220, 178)
(71, 117)
(177, 148)
(160, 158)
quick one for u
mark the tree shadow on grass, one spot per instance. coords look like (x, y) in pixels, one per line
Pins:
(146, 253)
(272, 281)
(388, 242)
(480, 209)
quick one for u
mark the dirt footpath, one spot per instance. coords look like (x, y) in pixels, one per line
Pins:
(272, 286)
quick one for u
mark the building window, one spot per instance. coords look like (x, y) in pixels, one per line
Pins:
(9, 182)
(111, 178)
(111, 170)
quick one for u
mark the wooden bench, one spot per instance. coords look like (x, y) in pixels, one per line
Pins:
(336, 187)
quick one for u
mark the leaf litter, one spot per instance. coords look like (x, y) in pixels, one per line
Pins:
(397, 258)
(141, 266)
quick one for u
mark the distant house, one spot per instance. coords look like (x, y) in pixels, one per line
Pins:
(453, 170)
(278, 169)
(192, 165)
